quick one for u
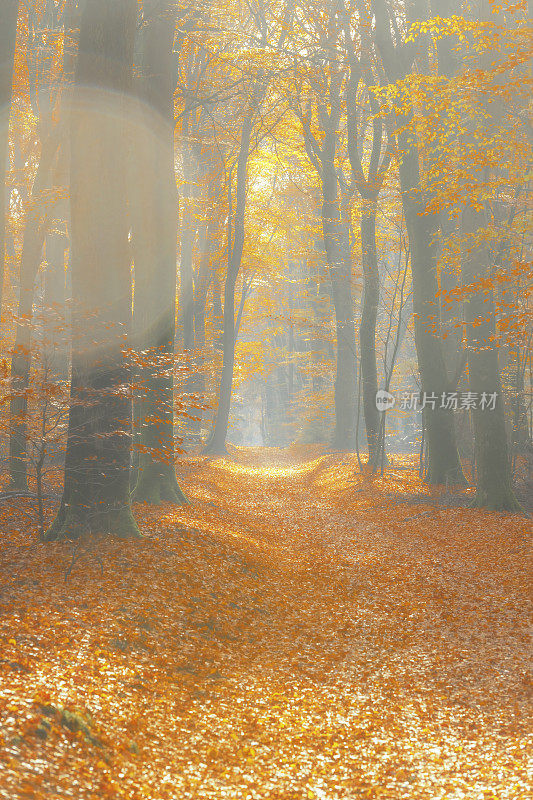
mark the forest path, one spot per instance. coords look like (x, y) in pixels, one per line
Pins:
(297, 631)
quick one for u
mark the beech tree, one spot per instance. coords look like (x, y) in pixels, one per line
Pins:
(362, 70)
(8, 34)
(43, 205)
(321, 117)
(96, 488)
(252, 110)
(397, 57)
(236, 232)
(493, 466)
(154, 235)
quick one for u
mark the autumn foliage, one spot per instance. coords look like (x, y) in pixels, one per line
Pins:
(266, 415)
(295, 632)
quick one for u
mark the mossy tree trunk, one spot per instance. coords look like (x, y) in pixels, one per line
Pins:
(154, 223)
(96, 490)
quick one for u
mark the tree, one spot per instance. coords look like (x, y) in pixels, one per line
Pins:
(42, 207)
(8, 35)
(369, 188)
(397, 58)
(154, 235)
(38, 219)
(493, 466)
(236, 219)
(96, 489)
(473, 152)
(200, 191)
(322, 149)
(217, 439)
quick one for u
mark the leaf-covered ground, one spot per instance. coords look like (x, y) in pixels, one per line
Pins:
(299, 631)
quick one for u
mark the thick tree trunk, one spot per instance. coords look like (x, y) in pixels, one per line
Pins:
(154, 222)
(216, 443)
(493, 464)
(96, 492)
(494, 484)
(444, 464)
(8, 35)
(367, 330)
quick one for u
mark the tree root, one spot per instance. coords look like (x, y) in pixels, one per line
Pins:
(72, 524)
(156, 486)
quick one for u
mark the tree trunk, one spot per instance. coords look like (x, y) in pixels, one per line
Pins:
(200, 300)
(96, 491)
(444, 464)
(337, 246)
(369, 188)
(8, 35)
(218, 312)
(55, 349)
(43, 206)
(367, 330)
(38, 218)
(339, 263)
(154, 222)
(494, 485)
(216, 443)
(493, 464)
(188, 234)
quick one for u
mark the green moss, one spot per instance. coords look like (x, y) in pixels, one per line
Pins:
(68, 524)
(157, 484)
(76, 721)
(72, 524)
(121, 524)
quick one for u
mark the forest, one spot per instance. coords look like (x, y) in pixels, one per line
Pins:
(266, 399)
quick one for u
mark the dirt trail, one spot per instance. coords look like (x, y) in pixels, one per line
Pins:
(293, 633)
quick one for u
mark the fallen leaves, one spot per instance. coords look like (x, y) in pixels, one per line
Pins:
(295, 639)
